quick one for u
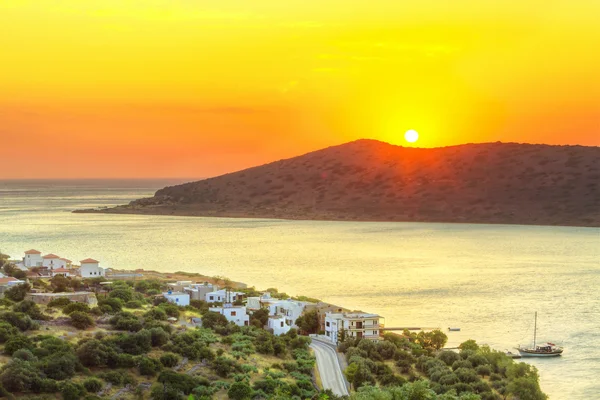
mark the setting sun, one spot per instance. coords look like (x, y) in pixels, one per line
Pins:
(411, 136)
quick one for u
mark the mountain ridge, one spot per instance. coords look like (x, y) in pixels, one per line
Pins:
(369, 180)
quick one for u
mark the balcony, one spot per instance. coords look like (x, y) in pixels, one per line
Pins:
(365, 327)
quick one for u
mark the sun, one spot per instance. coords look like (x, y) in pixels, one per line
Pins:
(411, 136)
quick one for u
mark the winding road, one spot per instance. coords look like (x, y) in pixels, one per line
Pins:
(330, 370)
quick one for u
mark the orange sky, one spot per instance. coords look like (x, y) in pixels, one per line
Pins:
(171, 88)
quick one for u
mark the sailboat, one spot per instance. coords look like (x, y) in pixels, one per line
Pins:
(546, 350)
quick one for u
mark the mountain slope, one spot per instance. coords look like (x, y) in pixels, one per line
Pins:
(371, 180)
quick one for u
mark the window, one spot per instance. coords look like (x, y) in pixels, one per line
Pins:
(233, 313)
(282, 324)
(327, 323)
(327, 333)
(211, 297)
(176, 300)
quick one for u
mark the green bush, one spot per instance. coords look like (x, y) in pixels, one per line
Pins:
(80, 307)
(58, 302)
(169, 360)
(7, 331)
(93, 385)
(16, 343)
(148, 366)
(81, 320)
(72, 391)
(240, 391)
(134, 304)
(17, 292)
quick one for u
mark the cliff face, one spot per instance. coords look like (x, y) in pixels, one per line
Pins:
(371, 180)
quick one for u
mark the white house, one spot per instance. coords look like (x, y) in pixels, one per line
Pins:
(290, 310)
(353, 325)
(278, 325)
(223, 296)
(235, 314)
(256, 303)
(198, 291)
(90, 268)
(33, 258)
(52, 261)
(179, 298)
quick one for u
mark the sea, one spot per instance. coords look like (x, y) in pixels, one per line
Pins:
(487, 280)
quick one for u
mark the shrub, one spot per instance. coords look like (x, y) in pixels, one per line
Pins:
(110, 305)
(24, 354)
(17, 292)
(156, 314)
(134, 304)
(81, 320)
(19, 320)
(125, 294)
(16, 343)
(149, 366)
(93, 385)
(72, 391)
(7, 331)
(240, 391)
(114, 377)
(159, 337)
(30, 308)
(169, 360)
(80, 307)
(58, 302)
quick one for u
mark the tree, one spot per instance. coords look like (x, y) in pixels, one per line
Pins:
(308, 322)
(438, 339)
(525, 389)
(72, 391)
(17, 292)
(81, 320)
(7, 331)
(240, 391)
(469, 345)
(213, 319)
(60, 283)
(125, 294)
(259, 318)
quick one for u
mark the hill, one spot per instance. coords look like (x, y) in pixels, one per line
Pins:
(370, 180)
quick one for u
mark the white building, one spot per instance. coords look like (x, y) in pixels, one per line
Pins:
(278, 325)
(290, 310)
(90, 268)
(179, 298)
(235, 314)
(256, 303)
(52, 261)
(223, 296)
(198, 291)
(353, 325)
(33, 258)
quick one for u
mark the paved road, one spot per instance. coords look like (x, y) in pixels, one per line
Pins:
(329, 368)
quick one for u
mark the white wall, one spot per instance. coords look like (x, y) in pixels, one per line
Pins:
(180, 299)
(237, 315)
(91, 270)
(54, 263)
(33, 260)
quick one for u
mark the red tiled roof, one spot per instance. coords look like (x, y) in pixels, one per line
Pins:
(88, 260)
(32, 251)
(7, 279)
(61, 270)
(51, 256)
(66, 260)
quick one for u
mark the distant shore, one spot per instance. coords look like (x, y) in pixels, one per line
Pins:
(320, 216)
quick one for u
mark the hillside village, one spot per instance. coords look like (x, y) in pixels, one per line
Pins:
(85, 332)
(235, 306)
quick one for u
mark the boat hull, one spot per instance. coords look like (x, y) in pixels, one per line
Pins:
(531, 353)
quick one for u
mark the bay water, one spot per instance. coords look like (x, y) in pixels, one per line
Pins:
(486, 279)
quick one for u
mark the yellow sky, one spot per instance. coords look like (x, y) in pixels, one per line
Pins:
(194, 88)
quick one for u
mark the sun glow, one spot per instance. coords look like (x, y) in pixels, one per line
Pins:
(411, 136)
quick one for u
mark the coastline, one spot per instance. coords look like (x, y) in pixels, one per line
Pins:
(323, 216)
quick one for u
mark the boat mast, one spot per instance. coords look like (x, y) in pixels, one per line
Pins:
(534, 330)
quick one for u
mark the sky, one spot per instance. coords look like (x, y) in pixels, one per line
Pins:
(194, 88)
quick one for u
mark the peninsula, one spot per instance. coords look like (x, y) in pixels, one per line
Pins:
(368, 180)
